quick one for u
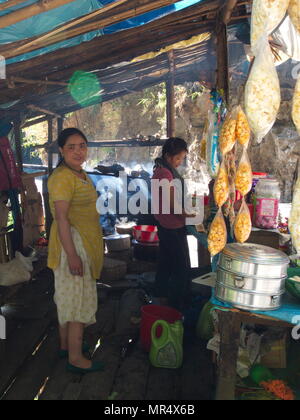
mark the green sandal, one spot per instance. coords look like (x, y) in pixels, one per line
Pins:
(96, 367)
(64, 354)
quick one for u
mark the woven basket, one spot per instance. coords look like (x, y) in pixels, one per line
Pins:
(113, 270)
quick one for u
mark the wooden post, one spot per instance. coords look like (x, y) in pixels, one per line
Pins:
(229, 324)
(222, 57)
(18, 143)
(171, 97)
(50, 141)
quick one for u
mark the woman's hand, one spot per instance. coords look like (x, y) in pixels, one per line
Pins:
(75, 265)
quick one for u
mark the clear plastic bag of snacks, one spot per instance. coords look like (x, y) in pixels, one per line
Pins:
(262, 92)
(217, 237)
(243, 224)
(266, 16)
(212, 147)
(267, 199)
(296, 106)
(243, 130)
(221, 186)
(228, 132)
(244, 176)
(294, 13)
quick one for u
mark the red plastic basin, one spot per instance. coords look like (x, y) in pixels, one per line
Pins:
(145, 233)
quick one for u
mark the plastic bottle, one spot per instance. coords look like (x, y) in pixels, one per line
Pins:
(267, 194)
(166, 351)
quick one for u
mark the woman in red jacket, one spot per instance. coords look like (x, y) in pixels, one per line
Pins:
(173, 273)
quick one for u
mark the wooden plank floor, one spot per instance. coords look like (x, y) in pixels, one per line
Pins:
(31, 368)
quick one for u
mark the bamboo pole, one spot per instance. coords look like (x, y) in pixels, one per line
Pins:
(50, 140)
(18, 137)
(171, 96)
(13, 79)
(229, 8)
(32, 10)
(43, 111)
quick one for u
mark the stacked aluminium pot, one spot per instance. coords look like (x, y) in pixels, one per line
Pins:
(252, 277)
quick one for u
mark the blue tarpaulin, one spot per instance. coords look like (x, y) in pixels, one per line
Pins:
(47, 21)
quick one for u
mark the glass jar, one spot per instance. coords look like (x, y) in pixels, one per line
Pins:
(267, 199)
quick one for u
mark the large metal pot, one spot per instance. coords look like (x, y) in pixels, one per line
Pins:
(250, 301)
(251, 276)
(254, 260)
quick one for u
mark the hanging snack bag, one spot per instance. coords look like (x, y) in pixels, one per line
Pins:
(243, 131)
(294, 13)
(262, 92)
(212, 149)
(221, 187)
(266, 16)
(244, 176)
(217, 237)
(243, 224)
(296, 106)
(228, 132)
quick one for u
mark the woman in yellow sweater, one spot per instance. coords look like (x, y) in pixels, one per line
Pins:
(75, 248)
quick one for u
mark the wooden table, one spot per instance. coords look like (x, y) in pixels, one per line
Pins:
(230, 326)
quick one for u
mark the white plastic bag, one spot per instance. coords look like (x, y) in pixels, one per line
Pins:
(212, 147)
(296, 106)
(262, 92)
(294, 13)
(288, 38)
(266, 16)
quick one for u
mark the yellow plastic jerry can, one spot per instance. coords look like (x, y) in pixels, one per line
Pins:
(167, 351)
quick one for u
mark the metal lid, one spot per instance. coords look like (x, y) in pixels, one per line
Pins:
(116, 237)
(258, 254)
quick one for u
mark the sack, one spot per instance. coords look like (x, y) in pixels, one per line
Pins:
(9, 174)
(266, 16)
(262, 92)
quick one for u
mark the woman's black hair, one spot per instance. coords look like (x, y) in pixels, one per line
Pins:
(173, 146)
(68, 132)
(63, 138)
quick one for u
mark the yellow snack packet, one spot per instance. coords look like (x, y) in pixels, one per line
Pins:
(217, 237)
(244, 177)
(243, 224)
(243, 131)
(221, 187)
(227, 138)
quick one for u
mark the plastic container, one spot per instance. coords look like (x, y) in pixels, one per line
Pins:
(151, 314)
(145, 233)
(267, 199)
(257, 176)
(166, 350)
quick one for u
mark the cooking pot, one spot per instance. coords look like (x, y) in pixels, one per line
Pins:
(251, 276)
(117, 242)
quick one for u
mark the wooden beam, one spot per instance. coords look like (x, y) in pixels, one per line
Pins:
(43, 111)
(50, 141)
(10, 3)
(171, 96)
(65, 32)
(13, 79)
(32, 10)
(18, 143)
(222, 58)
(228, 10)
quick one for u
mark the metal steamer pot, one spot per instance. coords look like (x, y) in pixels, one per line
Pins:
(251, 277)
